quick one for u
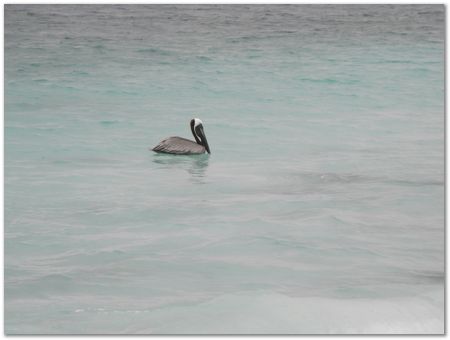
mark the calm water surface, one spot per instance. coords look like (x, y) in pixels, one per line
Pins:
(320, 209)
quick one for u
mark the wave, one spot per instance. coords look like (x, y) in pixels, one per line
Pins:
(281, 314)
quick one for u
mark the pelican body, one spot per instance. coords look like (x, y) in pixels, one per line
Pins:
(183, 146)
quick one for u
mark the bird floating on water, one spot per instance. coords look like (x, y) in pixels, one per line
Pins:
(183, 146)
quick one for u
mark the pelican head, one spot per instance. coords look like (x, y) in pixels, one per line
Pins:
(199, 133)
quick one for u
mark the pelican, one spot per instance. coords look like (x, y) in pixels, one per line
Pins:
(183, 146)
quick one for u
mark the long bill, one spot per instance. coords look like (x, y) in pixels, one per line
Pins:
(202, 136)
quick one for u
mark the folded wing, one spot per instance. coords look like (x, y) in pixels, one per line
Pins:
(179, 146)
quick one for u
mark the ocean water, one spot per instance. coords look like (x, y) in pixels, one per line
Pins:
(319, 210)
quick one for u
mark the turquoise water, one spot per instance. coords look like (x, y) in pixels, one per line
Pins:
(320, 209)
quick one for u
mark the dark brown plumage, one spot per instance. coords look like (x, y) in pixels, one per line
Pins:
(179, 146)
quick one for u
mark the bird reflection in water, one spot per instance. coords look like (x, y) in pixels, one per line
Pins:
(195, 165)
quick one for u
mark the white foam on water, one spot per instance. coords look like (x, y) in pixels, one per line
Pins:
(280, 314)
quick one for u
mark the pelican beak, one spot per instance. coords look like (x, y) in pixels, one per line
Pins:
(202, 136)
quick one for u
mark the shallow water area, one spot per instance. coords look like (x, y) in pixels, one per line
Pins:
(319, 211)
